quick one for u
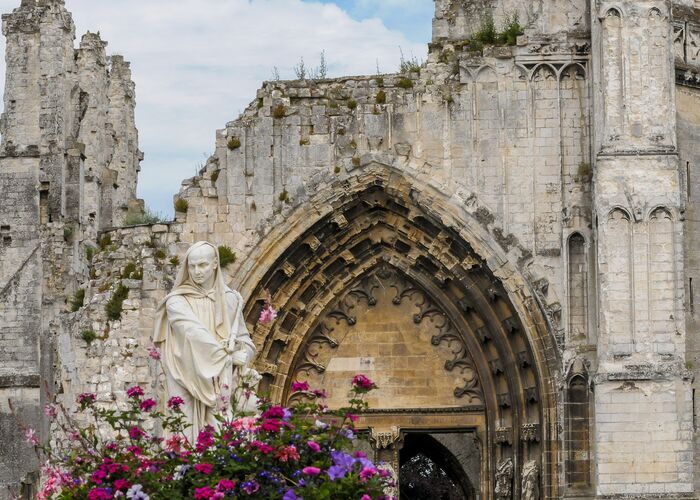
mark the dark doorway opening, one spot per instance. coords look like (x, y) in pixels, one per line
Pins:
(428, 469)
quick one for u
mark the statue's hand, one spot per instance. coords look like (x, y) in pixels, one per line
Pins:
(239, 358)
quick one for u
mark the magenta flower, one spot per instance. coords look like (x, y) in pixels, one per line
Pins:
(203, 493)
(365, 497)
(204, 468)
(175, 402)
(147, 405)
(153, 353)
(121, 484)
(86, 399)
(99, 494)
(367, 473)
(362, 382)
(314, 446)
(311, 471)
(226, 485)
(300, 386)
(136, 433)
(134, 392)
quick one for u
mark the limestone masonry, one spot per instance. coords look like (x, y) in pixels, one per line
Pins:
(505, 239)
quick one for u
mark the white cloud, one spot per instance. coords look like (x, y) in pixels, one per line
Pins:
(197, 63)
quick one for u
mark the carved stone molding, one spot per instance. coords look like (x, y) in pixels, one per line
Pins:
(504, 435)
(385, 439)
(530, 433)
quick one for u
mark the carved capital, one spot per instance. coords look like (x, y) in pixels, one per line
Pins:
(385, 439)
(504, 435)
(530, 433)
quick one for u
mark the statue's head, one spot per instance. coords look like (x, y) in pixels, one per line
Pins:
(201, 266)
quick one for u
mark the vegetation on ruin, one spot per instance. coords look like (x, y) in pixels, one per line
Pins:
(381, 97)
(132, 271)
(115, 305)
(78, 300)
(181, 205)
(356, 161)
(284, 196)
(234, 143)
(88, 336)
(226, 256)
(279, 111)
(489, 35)
(404, 83)
(215, 176)
(352, 104)
(104, 242)
(148, 216)
(89, 253)
(160, 254)
(175, 261)
(380, 81)
(304, 141)
(410, 65)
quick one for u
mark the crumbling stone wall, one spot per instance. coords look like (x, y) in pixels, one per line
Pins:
(65, 173)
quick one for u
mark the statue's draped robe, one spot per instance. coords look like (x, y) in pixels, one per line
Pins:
(198, 330)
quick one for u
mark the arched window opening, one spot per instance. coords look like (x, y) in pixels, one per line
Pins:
(578, 463)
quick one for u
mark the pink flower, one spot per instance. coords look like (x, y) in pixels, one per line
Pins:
(268, 313)
(274, 412)
(365, 497)
(147, 405)
(225, 485)
(50, 411)
(134, 392)
(320, 394)
(262, 447)
(134, 450)
(175, 402)
(153, 353)
(314, 446)
(204, 468)
(362, 382)
(174, 443)
(272, 425)
(367, 473)
(203, 493)
(300, 386)
(311, 471)
(351, 417)
(31, 437)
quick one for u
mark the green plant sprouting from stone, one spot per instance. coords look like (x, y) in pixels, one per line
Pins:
(115, 305)
(226, 256)
(148, 216)
(181, 205)
(78, 300)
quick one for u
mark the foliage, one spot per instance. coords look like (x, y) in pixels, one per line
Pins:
(511, 30)
(381, 97)
(303, 451)
(226, 256)
(181, 205)
(300, 70)
(304, 141)
(356, 161)
(78, 300)
(104, 242)
(336, 169)
(160, 254)
(67, 233)
(132, 272)
(487, 33)
(234, 143)
(380, 81)
(89, 253)
(88, 336)
(260, 103)
(175, 261)
(284, 196)
(146, 217)
(215, 176)
(410, 65)
(405, 83)
(279, 111)
(115, 305)
(352, 104)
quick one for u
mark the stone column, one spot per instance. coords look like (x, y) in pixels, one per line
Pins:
(643, 407)
(387, 445)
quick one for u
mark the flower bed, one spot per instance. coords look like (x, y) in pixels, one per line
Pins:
(303, 451)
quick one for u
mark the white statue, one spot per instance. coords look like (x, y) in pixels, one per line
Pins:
(205, 344)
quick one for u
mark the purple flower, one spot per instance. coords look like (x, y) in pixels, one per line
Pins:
(250, 487)
(342, 459)
(290, 495)
(336, 472)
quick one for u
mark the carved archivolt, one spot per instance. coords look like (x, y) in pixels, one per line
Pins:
(426, 312)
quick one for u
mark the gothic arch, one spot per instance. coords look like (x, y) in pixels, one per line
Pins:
(317, 269)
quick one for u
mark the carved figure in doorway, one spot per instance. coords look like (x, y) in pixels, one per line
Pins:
(531, 481)
(504, 479)
(205, 343)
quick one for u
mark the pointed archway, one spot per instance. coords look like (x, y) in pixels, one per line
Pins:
(380, 256)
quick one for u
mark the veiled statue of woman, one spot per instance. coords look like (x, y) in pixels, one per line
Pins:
(204, 341)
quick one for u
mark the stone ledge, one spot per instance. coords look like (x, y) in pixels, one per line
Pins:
(10, 381)
(648, 496)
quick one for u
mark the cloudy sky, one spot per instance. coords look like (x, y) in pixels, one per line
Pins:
(198, 63)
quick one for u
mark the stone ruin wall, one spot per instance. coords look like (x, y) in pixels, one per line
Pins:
(69, 160)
